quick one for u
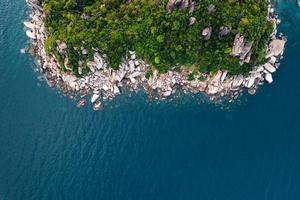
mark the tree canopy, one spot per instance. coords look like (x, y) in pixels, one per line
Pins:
(163, 39)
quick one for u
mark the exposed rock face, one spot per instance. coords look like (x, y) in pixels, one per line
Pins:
(224, 30)
(192, 21)
(241, 49)
(170, 5)
(206, 33)
(238, 45)
(191, 7)
(211, 8)
(180, 3)
(275, 48)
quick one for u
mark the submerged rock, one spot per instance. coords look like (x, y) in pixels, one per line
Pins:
(81, 103)
(97, 106)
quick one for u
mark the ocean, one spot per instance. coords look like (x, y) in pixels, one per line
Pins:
(185, 148)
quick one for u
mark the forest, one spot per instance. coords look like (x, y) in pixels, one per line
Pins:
(163, 39)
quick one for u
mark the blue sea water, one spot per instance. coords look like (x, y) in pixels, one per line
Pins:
(134, 149)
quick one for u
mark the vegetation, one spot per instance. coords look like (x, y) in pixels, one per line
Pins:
(160, 38)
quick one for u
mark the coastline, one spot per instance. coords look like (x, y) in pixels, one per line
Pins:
(103, 83)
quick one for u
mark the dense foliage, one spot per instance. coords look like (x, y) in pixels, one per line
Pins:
(163, 39)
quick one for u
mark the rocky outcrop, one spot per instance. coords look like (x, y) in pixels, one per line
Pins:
(241, 49)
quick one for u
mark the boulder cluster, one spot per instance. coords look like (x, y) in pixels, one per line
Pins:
(103, 83)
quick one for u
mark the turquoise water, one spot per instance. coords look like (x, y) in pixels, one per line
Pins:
(133, 149)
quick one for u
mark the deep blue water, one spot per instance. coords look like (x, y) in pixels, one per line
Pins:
(186, 149)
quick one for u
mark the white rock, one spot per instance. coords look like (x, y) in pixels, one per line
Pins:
(272, 60)
(29, 25)
(132, 80)
(135, 74)
(269, 78)
(116, 90)
(132, 57)
(192, 21)
(98, 60)
(84, 52)
(224, 74)
(269, 67)
(105, 87)
(250, 82)
(31, 34)
(167, 93)
(131, 65)
(94, 98)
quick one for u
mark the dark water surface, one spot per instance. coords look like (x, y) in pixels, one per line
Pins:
(186, 149)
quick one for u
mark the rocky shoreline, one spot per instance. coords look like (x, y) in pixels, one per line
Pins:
(103, 83)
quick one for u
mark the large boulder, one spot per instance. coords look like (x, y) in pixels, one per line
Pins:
(206, 32)
(192, 21)
(270, 68)
(250, 82)
(275, 48)
(237, 81)
(94, 98)
(29, 25)
(268, 78)
(31, 34)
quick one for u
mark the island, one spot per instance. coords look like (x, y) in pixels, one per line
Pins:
(98, 48)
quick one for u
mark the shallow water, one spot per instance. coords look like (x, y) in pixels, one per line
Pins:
(133, 149)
